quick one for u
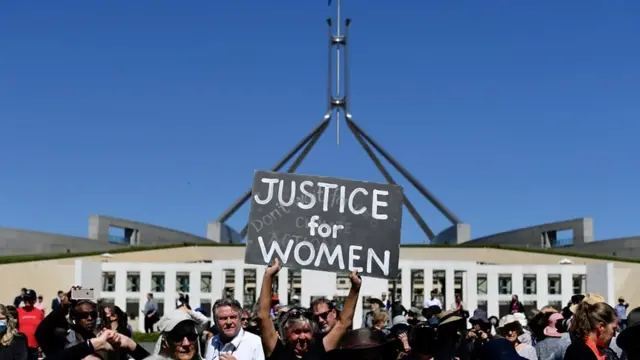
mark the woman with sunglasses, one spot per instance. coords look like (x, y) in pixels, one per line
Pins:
(296, 333)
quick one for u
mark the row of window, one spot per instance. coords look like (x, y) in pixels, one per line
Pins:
(529, 281)
(530, 284)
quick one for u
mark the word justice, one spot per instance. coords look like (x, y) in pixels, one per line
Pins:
(307, 189)
(306, 254)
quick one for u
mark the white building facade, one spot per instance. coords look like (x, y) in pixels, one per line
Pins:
(480, 285)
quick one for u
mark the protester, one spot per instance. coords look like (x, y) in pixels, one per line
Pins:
(56, 302)
(13, 345)
(511, 329)
(375, 305)
(297, 328)
(628, 338)
(29, 318)
(621, 311)
(432, 300)
(325, 314)
(592, 327)
(365, 344)
(17, 301)
(150, 313)
(516, 306)
(227, 343)
(549, 340)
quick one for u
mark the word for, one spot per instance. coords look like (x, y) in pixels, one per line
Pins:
(344, 201)
(324, 229)
(316, 257)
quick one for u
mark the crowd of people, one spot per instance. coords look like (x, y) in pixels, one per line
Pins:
(587, 328)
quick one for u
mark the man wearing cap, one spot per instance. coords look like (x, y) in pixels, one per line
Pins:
(232, 341)
(29, 318)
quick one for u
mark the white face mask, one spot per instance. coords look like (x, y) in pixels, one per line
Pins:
(3, 326)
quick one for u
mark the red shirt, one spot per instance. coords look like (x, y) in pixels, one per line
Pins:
(28, 321)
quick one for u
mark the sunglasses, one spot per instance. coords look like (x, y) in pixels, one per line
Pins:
(322, 316)
(179, 336)
(244, 319)
(298, 313)
(86, 315)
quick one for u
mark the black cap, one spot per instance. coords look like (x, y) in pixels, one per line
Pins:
(30, 294)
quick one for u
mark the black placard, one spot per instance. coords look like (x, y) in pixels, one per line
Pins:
(322, 223)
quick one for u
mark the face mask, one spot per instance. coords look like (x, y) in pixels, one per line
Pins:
(3, 326)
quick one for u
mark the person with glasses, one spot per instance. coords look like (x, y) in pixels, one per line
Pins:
(296, 338)
(233, 342)
(325, 314)
(178, 337)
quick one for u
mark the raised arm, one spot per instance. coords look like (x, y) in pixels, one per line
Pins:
(267, 329)
(332, 340)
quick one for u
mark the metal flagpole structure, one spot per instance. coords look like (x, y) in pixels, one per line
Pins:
(338, 102)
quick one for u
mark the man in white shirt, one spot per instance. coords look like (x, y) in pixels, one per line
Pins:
(233, 343)
(433, 301)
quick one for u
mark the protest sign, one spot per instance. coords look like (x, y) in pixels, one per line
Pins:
(322, 223)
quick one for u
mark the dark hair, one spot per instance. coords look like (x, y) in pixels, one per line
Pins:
(320, 301)
(588, 316)
(576, 299)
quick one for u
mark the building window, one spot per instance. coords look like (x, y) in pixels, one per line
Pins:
(133, 308)
(482, 284)
(529, 284)
(182, 282)
(579, 281)
(554, 284)
(206, 305)
(133, 282)
(108, 281)
(504, 284)
(157, 282)
(160, 306)
(205, 282)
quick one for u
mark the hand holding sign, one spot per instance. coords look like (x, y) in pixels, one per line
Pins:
(273, 269)
(321, 223)
(356, 280)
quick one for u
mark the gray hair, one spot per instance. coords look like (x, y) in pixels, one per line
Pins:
(295, 316)
(232, 303)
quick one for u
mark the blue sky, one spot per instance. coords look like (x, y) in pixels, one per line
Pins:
(512, 112)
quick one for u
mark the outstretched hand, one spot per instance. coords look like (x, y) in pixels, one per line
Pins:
(356, 280)
(273, 269)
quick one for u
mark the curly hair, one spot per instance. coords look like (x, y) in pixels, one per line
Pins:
(12, 327)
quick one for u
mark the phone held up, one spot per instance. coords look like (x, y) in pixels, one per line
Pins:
(82, 294)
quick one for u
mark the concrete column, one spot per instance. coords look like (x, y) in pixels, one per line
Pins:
(493, 299)
(566, 284)
(170, 295)
(428, 282)
(120, 298)
(542, 287)
(406, 287)
(283, 289)
(517, 281)
(449, 287)
(238, 284)
(471, 289)
(217, 282)
(195, 295)
(145, 288)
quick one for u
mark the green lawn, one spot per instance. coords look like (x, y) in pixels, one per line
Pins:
(12, 259)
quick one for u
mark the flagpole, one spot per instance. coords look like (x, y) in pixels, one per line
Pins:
(338, 73)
